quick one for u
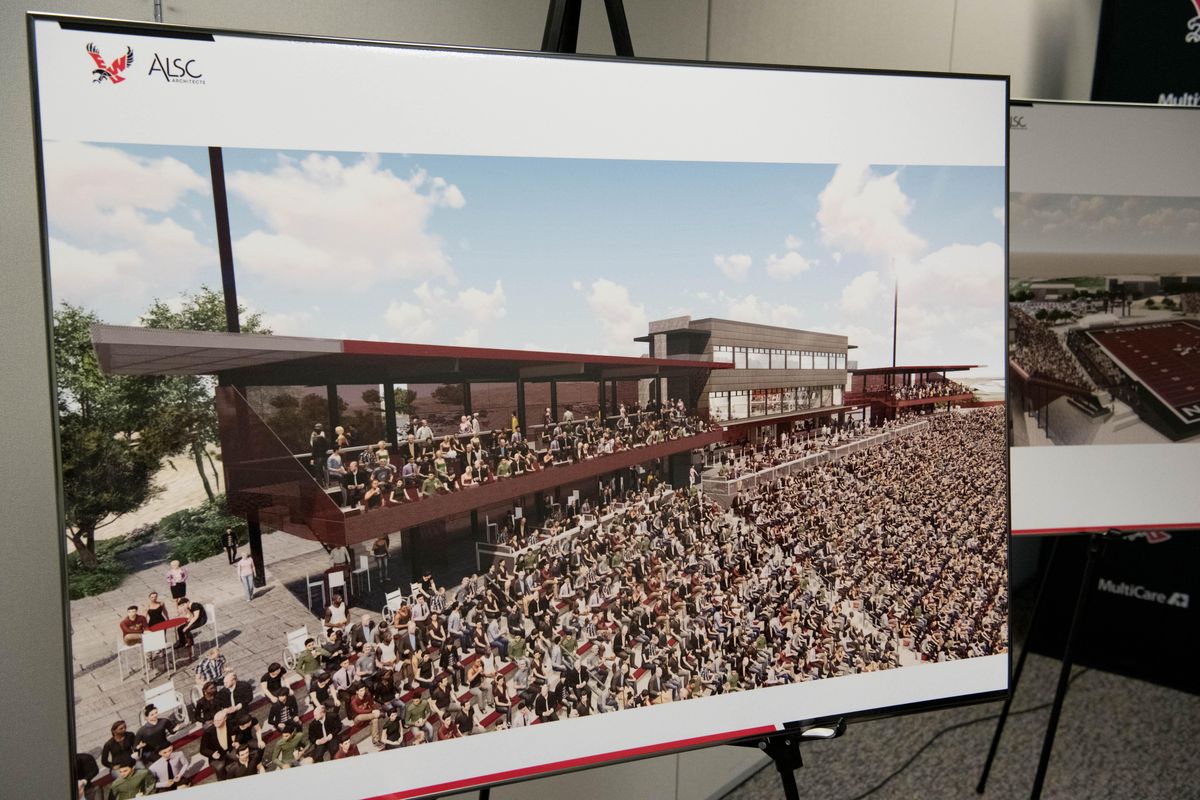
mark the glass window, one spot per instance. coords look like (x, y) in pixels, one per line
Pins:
(758, 358)
(723, 354)
(739, 405)
(826, 396)
(807, 361)
(793, 359)
(841, 361)
(789, 399)
(718, 406)
(739, 358)
(802, 398)
(820, 361)
(774, 401)
(814, 397)
(758, 403)
(837, 395)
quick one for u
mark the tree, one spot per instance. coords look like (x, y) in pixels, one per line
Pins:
(406, 401)
(187, 400)
(449, 393)
(111, 439)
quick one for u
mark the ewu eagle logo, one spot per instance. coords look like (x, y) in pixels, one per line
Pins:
(109, 72)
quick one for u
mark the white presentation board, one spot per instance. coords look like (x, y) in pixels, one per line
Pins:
(1104, 278)
(420, 239)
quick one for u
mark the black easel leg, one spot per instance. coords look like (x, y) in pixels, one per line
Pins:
(785, 752)
(1016, 678)
(485, 793)
(1086, 587)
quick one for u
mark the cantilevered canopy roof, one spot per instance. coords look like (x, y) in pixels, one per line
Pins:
(255, 359)
(911, 370)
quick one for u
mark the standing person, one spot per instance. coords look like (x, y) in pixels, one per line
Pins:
(177, 580)
(247, 572)
(318, 444)
(230, 540)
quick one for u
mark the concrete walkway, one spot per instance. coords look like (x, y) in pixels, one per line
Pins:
(252, 634)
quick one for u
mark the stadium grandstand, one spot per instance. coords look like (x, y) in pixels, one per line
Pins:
(609, 579)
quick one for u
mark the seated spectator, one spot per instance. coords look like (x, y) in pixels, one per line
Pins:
(346, 749)
(118, 748)
(336, 614)
(133, 625)
(311, 658)
(171, 770)
(211, 666)
(130, 782)
(153, 734)
(355, 483)
(234, 695)
(292, 748)
(246, 762)
(323, 733)
(283, 710)
(217, 742)
(207, 705)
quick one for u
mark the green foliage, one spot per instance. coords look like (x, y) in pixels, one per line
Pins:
(109, 571)
(196, 533)
(405, 401)
(449, 393)
(111, 434)
(1041, 314)
(186, 401)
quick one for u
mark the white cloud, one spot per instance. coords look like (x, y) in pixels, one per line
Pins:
(114, 244)
(358, 223)
(409, 321)
(861, 211)
(792, 243)
(468, 338)
(577, 285)
(862, 292)
(999, 214)
(750, 308)
(787, 266)
(837, 257)
(482, 307)
(619, 317)
(735, 267)
(292, 323)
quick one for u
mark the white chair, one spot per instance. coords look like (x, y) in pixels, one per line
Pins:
(167, 700)
(153, 643)
(319, 585)
(364, 568)
(392, 603)
(490, 529)
(337, 580)
(294, 646)
(210, 610)
(125, 648)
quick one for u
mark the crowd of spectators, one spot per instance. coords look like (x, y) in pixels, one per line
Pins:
(931, 390)
(895, 552)
(1039, 352)
(1103, 370)
(423, 466)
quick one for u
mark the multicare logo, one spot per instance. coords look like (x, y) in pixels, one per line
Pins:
(1193, 34)
(109, 73)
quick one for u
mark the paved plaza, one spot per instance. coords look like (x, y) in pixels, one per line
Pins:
(252, 634)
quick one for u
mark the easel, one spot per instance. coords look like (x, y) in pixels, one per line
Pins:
(783, 748)
(562, 36)
(1097, 543)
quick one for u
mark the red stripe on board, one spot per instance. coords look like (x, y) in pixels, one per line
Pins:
(1100, 528)
(571, 763)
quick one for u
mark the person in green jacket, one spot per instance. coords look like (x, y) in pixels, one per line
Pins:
(311, 658)
(131, 782)
(416, 715)
(291, 748)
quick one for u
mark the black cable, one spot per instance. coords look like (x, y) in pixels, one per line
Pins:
(955, 727)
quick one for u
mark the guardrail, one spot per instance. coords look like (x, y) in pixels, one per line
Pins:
(723, 490)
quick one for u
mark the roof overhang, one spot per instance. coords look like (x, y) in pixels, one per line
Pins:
(257, 359)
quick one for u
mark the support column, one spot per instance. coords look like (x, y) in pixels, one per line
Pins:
(335, 412)
(554, 399)
(600, 397)
(467, 399)
(522, 422)
(614, 406)
(475, 524)
(254, 535)
(389, 415)
(216, 166)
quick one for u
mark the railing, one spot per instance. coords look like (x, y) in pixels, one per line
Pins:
(724, 489)
(263, 476)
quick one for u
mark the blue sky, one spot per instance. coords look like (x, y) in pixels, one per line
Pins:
(543, 253)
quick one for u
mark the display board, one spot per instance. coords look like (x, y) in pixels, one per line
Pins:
(510, 414)
(1148, 53)
(1104, 289)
